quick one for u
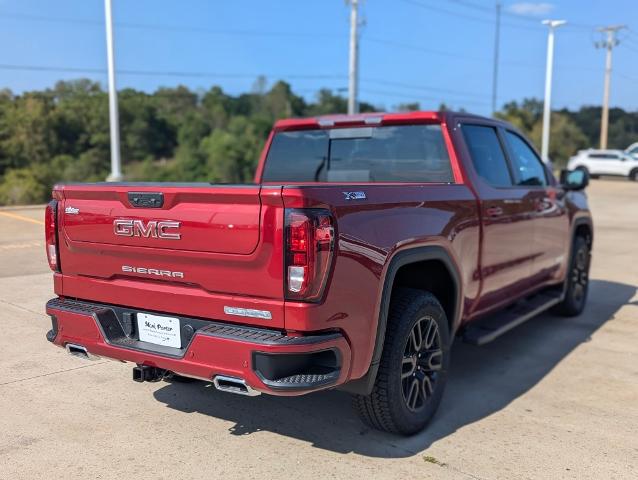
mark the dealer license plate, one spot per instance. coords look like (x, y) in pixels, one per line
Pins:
(159, 330)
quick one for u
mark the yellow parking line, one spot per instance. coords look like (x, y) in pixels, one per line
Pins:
(20, 217)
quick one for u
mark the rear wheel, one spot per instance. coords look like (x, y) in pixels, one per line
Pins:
(577, 282)
(414, 366)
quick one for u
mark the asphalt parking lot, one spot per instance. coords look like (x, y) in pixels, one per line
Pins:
(556, 398)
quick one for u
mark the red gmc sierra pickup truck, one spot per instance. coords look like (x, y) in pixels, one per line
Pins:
(366, 244)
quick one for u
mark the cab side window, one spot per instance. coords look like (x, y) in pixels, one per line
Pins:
(528, 168)
(487, 155)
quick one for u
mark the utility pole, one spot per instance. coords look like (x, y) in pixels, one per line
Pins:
(114, 120)
(547, 107)
(497, 41)
(353, 69)
(608, 43)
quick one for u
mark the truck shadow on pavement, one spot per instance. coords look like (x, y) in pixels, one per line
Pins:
(483, 381)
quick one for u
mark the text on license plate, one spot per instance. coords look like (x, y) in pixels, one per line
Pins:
(159, 330)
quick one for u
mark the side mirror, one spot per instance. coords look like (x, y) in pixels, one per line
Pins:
(574, 180)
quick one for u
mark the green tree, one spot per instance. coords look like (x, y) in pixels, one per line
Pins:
(565, 138)
(523, 116)
(231, 155)
(412, 107)
(21, 186)
(29, 136)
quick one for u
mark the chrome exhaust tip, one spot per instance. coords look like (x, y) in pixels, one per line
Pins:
(80, 351)
(234, 385)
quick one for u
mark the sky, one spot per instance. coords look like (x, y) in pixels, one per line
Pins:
(410, 50)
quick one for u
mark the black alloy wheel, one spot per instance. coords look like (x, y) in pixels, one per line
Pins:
(421, 363)
(577, 281)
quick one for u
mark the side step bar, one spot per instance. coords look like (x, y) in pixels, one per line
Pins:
(492, 327)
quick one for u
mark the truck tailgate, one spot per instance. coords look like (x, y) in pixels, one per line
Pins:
(222, 241)
(221, 220)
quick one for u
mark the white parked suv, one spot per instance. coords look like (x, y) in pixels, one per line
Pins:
(605, 162)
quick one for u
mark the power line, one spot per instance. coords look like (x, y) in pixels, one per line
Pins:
(42, 68)
(631, 48)
(156, 73)
(195, 74)
(516, 16)
(206, 30)
(627, 77)
(421, 87)
(507, 63)
(418, 48)
(466, 16)
(212, 31)
(163, 73)
(164, 27)
(419, 97)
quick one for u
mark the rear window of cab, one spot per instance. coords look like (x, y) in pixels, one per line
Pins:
(404, 154)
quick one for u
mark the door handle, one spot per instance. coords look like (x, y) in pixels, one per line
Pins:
(494, 212)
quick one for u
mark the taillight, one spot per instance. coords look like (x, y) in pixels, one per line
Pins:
(309, 247)
(51, 235)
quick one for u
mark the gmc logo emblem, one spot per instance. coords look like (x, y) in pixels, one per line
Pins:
(151, 229)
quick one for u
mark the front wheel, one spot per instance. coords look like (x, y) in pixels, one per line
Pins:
(414, 365)
(633, 175)
(577, 282)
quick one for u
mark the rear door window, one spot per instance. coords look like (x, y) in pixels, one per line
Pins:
(487, 155)
(406, 154)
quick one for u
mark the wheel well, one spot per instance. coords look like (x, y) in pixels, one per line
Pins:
(432, 276)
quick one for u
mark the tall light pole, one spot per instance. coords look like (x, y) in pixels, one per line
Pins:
(609, 43)
(547, 107)
(353, 68)
(114, 120)
(497, 41)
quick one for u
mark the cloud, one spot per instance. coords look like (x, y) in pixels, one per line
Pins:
(530, 9)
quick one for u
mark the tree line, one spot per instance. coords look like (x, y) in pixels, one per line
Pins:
(61, 134)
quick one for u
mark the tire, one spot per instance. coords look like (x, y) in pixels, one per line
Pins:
(411, 376)
(577, 281)
(633, 175)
